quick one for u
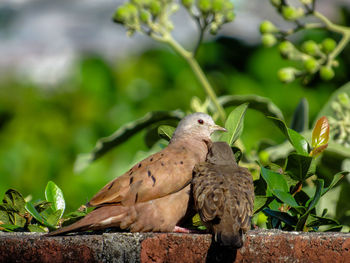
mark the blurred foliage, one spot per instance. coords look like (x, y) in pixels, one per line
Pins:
(43, 129)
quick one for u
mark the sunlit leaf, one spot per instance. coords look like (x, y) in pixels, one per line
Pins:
(297, 140)
(320, 136)
(31, 209)
(54, 195)
(285, 197)
(275, 181)
(36, 228)
(260, 202)
(166, 132)
(121, 135)
(336, 178)
(53, 218)
(234, 124)
(9, 227)
(262, 104)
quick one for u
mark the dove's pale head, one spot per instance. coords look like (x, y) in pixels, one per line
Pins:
(198, 125)
(221, 153)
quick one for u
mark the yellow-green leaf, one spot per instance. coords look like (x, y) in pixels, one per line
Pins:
(320, 133)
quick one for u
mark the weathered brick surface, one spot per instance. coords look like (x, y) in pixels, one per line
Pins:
(260, 246)
(175, 248)
(278, 246)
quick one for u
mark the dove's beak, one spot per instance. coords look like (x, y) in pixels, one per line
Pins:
(217, 128)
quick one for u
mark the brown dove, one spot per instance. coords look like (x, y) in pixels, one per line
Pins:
(154, 194)
(223, 195)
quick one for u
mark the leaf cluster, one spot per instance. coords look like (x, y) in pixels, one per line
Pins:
(17, 214)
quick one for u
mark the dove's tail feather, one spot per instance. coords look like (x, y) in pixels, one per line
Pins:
(100, 218)
(229, 239)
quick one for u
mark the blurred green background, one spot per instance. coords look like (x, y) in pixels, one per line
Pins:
(43, 130)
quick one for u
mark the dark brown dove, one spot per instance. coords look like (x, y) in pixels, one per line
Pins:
(223, 195)
(153, 195)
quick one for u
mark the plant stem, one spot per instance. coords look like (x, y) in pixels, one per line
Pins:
(188, 56)
(344, 31)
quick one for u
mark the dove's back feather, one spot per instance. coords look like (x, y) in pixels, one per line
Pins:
(224, 196)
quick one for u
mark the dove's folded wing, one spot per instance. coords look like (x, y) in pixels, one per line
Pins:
(160, 174)
(208, 195)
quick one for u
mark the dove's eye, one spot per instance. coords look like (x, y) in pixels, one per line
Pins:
(200, 121)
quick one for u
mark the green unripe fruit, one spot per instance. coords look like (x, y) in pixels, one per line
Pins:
(286, 48)
(155, 7)
(228, 6)
(217, 5)
(310, 47)
(286, 75)
(311, 65)
(276, 3)
(187, 3)
(121, 14)
(328, 45)
(204, 5)
(292, 13)
(326, 73)
(229, 17)
(264, 156)
(306, 2)
(132, 9)
(344, 100)
(267, 27)
(214, 28)
(268, 40)
(137, 2)
(145, 16)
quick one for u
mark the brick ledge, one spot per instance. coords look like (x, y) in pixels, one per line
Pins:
(260, 246)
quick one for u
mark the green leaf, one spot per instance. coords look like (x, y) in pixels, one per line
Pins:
(336, 178)
(327, 108)
(320, 133)
(300, 120)
(260, 202)
(53, 218)
(9, 227)
(121, 135)
(31, 210)
(297, 166)
(36, 228)
(297, 140)
(262, 104)
(334, 228)
(286, 198)
(4, 217)
(14, 199)
(282, 216)
(316, 221)
(166, 132)
(42, 205)
(275, 181)
(320, 136)
(302, 220)
(234, 124)
(54, 195)
(317, 196)
(73, 217)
